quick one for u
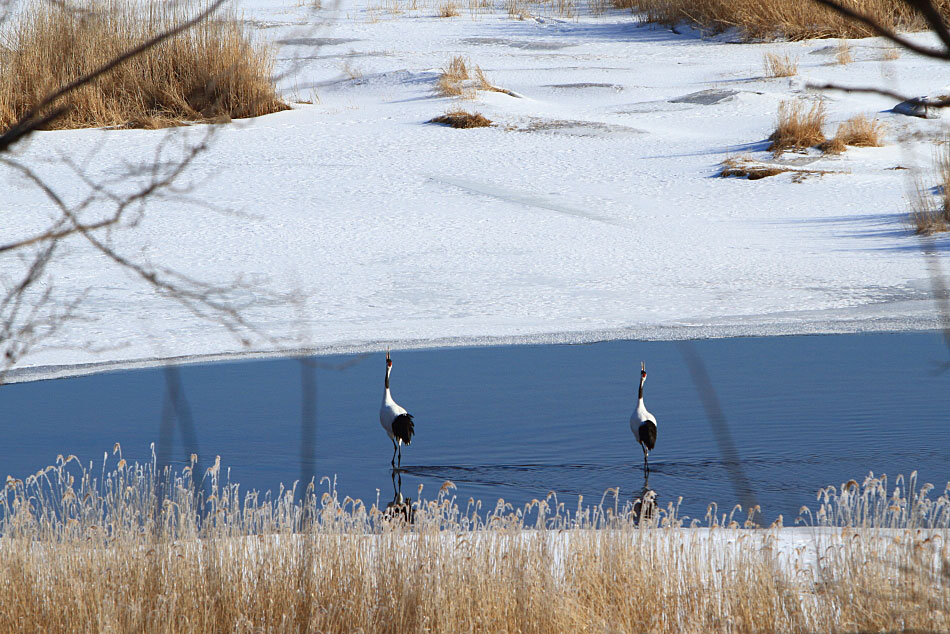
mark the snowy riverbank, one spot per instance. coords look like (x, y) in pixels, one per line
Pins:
(591, 210)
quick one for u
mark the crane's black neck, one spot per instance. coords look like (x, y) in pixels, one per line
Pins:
(640, 396)
(387, 377)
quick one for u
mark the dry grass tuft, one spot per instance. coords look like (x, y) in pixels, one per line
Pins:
(119, 554)
(843, 55)
(459, 80)
(212, 72)
(796, 128)
(451, 82)
(857, 131)
(783, 65)
(860, 131)
(781, 19)
(462, 119)
(448, 9)
(929, 214)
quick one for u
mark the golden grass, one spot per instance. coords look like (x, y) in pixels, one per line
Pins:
(780, 19)
(458, 80)
(212, 72)
(843, 54)
(448, 9)
(797, 128)
(857, 131)
(780, 65)
(451, 81)
(79, 554)
(860, 131)
(462, 119)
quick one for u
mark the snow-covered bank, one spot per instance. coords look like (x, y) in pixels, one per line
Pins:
(589, 211)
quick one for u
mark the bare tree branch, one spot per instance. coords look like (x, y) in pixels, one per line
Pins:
(924, 7)
(940, 103)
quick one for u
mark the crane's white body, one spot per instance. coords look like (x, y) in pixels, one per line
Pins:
(640, 416)
(388, 412)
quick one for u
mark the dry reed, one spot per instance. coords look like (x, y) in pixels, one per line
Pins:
(930, 214)
(448, 9)
(781, 19)
(131, 551)
(796, 128)
(783, 65)
(843, 55)
(212, 72)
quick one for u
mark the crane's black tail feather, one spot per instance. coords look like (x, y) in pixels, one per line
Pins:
(403, 428)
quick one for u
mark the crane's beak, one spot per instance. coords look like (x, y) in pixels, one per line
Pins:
(643, 366)
(387, 354)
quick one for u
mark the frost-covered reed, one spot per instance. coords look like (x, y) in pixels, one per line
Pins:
(125, 550)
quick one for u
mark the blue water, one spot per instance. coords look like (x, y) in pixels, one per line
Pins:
(516, 422)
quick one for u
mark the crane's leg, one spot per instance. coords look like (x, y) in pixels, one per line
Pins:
(399, 444)
(646, 465)
(393, 462)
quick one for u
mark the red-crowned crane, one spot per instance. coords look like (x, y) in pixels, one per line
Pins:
(395, 419)
(643, 423)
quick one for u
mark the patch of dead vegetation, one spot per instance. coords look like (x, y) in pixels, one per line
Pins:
(931, 214)
(798, 128)
(860, 131)
(462, 119)
(748, 167)
(448, 9)
(780, 65)
(782, 19)
(457, 79)
(210, 73)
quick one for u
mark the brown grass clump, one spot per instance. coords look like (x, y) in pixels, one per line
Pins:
(860, 131)
(857, 131)
(781, 19)
(780, 65)
(796, 128)
(843, 55)
(462, 119)
(211, 72)
(448, 9)
(109, 556)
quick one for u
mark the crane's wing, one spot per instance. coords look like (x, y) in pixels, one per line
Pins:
(403, 429)
(647, 434)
